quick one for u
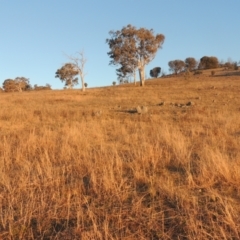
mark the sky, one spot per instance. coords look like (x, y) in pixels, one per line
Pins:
(37, 35)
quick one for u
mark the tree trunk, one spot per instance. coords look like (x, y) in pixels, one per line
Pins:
(142, 76)
(134, 75)
(19, 87)
(83, 86)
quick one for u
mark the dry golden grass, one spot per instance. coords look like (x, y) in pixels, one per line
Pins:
(77, 165)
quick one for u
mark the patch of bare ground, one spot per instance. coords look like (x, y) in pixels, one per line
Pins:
(77, 165)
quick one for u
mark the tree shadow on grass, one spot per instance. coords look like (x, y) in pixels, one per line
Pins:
(130, 111)
(229, 74)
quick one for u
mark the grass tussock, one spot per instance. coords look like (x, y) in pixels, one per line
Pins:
(173, 173)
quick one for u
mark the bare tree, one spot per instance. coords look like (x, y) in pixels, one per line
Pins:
(79, 64)
(134, 47)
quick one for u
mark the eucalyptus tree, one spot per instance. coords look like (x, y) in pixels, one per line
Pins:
(134, 48)
(191, 63)
(67, 73)
(176, 66)
(208, 62)
(18, 84)
(155, 72)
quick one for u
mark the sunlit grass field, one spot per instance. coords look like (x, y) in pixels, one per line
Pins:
(86, 165)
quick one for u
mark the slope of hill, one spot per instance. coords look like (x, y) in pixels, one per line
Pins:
(87, 165)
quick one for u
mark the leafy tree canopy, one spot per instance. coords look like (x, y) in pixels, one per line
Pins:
(155, 72)
(176, 66)
(191, 63)
(133, 48)
(208, 63)
(67, 73)
(18, 84)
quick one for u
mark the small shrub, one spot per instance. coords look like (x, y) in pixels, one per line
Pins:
(40, 88)
(212, 73)
(114, 83)
(197, 72)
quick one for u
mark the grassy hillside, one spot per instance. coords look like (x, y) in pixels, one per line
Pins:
(85, 165)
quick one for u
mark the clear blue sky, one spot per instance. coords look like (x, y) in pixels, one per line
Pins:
(35, 34)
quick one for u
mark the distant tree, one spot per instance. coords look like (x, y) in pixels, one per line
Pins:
(79, 65)
(190, 63)
(208, 63)
(18, 84)
(9, 85)
(67, 73)
(134, 48)
(114, 83)
(22, 84)
(85, 85)
(227, 65)
(155, 72)
(176, 66)
(231, 65)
